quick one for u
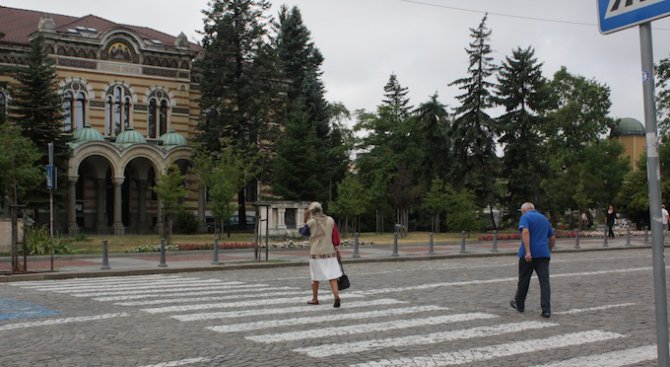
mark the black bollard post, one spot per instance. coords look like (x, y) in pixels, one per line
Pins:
(356, 244)
(628, 237)
(495, 241)
(162, 263)
(462, 242)
(431, 245)
(605, 237)
(395, 244)
(577, 239)
(105, 255)
(215, 259)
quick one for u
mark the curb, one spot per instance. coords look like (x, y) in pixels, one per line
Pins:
(265, 265)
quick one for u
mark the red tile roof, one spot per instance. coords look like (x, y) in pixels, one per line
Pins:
(19, 24)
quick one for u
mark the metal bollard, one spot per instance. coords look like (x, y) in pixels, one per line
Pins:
(495, 241)
(605, 238)
(628, 237)
(105, 255)
(577, 239)
(462, 242)
(395, 244)
(356, 244)
(162, 263)
(646, 235)
(431, 245)
(215, 259)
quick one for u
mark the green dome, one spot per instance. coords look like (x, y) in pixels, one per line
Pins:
(628, 126)
(130, 136)
(173, 138)
(87, 134)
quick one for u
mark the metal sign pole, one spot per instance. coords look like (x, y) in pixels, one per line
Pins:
(654, 181)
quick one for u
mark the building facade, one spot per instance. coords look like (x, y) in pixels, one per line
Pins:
(131, 105)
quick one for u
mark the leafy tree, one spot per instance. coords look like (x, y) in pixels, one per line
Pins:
(461, 210)
(37, 108)
(238, 80)
(435, 203)
(473, 131)
(663, 95)
(522, 92)
(352, 201)
(227, 178)
(171, 193)
(402, 193)
(19, 173)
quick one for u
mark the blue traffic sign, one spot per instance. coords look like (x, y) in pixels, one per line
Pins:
(615, 15)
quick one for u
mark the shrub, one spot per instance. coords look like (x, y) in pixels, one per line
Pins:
(186, 223)
(38, 242)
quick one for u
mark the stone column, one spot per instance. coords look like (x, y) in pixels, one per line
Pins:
(142, 206)
(281, 220)
(118, 223)
(72, 227)
(101, 205)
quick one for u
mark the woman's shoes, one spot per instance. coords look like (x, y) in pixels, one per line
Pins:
(313, 302)
(337, 303)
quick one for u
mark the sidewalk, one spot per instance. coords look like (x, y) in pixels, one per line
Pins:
(79, 266)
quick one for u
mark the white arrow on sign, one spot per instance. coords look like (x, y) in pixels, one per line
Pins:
(618, 7)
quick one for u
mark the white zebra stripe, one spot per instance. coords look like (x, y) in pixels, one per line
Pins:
(183, 362)
(130, 287)
(214, 298)
(67, 320)
(110, 282)
(327, 350)
(278, 311)
(187, 292)
(230, 288)
(233, 328)
(497, 280)
(265, 302)
(77, 281)
(599, 308)
(612, 359)
(486, 353)
(367, 328)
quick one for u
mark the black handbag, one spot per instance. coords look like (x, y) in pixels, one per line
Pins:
(343, 281)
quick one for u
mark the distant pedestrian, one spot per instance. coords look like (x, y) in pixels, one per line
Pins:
(324, 251)
(666, 216)
(611, 220)
(534, 254)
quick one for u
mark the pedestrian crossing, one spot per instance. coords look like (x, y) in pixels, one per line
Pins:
(369, 323)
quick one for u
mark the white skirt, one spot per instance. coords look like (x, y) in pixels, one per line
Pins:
(324, 269)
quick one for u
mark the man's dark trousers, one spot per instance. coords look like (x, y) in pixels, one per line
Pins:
(541, 267)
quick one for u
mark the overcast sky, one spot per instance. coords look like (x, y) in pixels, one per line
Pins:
(423, 42)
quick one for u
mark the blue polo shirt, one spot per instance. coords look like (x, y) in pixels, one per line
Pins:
(540, 232)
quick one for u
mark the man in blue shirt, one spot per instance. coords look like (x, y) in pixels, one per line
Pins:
(537, 241)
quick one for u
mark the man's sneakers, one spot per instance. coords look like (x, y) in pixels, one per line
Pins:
(514, 306)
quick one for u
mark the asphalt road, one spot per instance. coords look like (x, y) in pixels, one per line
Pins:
(414, 313)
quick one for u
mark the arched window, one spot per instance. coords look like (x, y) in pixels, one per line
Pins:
(3, 107)
(75, 103)
(158, 114)
(119, 110)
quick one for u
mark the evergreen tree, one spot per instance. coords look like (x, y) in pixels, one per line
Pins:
(395, 96)
(473, 131)
(522, 92)
(238, 82)
(38, 112)
(431, 124)
(296, 165)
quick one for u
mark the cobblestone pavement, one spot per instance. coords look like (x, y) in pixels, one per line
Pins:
(413, 313)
